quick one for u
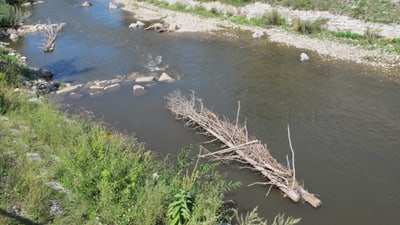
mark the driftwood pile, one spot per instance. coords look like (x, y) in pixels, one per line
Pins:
(50, 36)
(238, 147)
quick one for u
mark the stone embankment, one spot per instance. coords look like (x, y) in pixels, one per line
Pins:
(326, 48)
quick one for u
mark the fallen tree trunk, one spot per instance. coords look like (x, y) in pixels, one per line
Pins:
(238, 147)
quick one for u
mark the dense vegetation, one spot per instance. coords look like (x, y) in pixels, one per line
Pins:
(10, 14)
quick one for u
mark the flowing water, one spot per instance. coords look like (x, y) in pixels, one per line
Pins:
(345, 124)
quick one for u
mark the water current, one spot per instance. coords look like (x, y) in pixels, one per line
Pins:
(344, 118)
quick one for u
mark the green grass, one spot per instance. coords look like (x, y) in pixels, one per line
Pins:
(10, 15)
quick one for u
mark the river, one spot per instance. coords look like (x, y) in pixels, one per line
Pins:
(344, 118)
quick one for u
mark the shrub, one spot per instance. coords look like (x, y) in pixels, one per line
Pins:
(371, 35)
(274, 18)
(10, 16)
(307, 26)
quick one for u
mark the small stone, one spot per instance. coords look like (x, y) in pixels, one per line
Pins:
(33, 156)
(258, 34)
(69, 88)
(145, 79)
(138, 88)
(165, 78)
(95, 87)
(172, 27)
(56, 186)
(112, 5)
(304, 57)
(112, 86)
(86, 4)
(138, 24)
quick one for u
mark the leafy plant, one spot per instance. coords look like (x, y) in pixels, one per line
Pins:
(252, 218)
(10, 15)
(180, 209)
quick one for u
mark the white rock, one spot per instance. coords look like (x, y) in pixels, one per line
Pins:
(138, 24)
(112, 86)
(258, 34)
(33, 156)
(14, 37)
(112, 5)
(96, 87)
(145, 79)
(172, 27)
(138, 88)
(68, 89)
(165, 78)
(86, 4)
(304, 57)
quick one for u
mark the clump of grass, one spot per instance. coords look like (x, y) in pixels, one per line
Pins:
(274, 18)
(307, 26)
(10, 15)
(371, 35)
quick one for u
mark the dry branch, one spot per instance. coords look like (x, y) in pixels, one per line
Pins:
(50, 36)
(238, 145)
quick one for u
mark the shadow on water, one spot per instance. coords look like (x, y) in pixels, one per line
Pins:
(18, 219)
(66, 68)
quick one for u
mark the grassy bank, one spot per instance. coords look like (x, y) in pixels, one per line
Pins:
(61, 169)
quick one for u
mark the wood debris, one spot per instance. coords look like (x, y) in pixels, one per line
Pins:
(237, 146)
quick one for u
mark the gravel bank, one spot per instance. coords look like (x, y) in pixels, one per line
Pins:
(327, 49)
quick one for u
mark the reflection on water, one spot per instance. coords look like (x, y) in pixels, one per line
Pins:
(345, 127)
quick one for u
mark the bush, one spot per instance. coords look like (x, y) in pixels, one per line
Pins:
(274, 18)
(307, 26)
(10, 16)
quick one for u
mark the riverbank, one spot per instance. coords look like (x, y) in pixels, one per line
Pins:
(326, 48)
(57, 168)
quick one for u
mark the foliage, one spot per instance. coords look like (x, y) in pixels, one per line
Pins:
(252, 218)
(307, 26)
(274, 18)
(347, 34)
(371, 35)
(10, 15)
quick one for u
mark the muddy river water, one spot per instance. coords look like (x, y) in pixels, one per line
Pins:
(344, 119)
